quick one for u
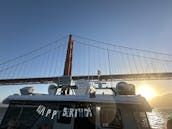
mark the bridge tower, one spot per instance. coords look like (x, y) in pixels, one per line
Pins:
(68, 62)
(69, 56)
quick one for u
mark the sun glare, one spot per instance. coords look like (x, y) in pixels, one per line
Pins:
(146, 91)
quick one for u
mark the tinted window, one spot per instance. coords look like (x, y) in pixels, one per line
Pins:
(41, 115)
(110, 118)
(86, 116)
(141, 119)
(20, 117)
(61, 118)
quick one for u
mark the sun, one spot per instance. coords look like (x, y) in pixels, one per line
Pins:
(146, 91)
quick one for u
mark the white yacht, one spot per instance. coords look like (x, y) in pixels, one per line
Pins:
(85, 107)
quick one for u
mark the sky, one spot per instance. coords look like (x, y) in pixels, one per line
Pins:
(29, 24)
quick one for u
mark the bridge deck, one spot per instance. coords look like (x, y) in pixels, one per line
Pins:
(115, 77)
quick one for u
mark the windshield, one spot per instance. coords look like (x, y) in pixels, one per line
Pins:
(46, 115)
(73, 115)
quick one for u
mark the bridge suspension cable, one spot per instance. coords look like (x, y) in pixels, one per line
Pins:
(125, 47)
(36, 62)
(127, 62)
(121, 52)
(45, 63)
(33, 51)
(31, 59)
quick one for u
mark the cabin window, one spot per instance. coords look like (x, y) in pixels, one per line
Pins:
(142, 120)
(61, 118)
(19, 116)
(110, 118)
(36, 115)
(86, 116)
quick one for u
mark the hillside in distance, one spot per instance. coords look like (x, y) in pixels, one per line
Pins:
(163, 102)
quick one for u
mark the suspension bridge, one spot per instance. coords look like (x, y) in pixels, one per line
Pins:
(81, 58)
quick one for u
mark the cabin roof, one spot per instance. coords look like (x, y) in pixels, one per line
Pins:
(122, 99)
(128, 99)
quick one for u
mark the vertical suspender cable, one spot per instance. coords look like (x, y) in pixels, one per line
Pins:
(109, 65)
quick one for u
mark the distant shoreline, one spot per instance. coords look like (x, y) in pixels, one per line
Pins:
(158, 108)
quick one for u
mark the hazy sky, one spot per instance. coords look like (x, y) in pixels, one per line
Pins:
(28, 24)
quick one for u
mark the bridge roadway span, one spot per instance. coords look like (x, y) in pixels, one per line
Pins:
(115, 77)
